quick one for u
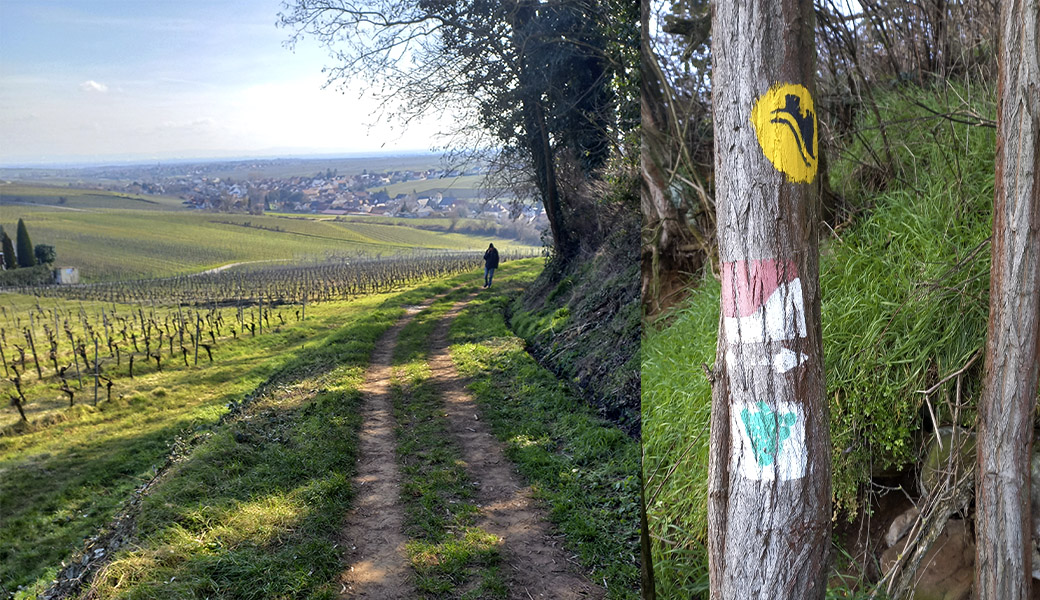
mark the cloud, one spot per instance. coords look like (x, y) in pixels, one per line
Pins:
(92, 86)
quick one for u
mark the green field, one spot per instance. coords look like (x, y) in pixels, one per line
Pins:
(466, 186)
(14, 195)
(107, 240)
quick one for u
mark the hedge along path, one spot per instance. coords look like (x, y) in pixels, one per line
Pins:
(377, 565)
(534, 563)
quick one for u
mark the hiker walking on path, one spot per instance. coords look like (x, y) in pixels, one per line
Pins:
(490, 264)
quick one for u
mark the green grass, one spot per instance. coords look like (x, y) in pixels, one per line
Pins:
(905, 301)
(452, 558)
(583, 468)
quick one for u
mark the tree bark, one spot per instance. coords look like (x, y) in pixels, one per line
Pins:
(769, 462)
(1005, 436)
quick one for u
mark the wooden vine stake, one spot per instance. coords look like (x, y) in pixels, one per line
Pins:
(1006, 407)
(769, 507)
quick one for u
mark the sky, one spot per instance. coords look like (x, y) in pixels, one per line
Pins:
(126, 80)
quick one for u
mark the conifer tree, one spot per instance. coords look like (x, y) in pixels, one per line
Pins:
(8, 249)
(26, 258)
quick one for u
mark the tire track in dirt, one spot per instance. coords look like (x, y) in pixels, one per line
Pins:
(535, 564)
(377, 567)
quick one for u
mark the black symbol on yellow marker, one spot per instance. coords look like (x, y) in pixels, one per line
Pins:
(802, 126)
(785, 125)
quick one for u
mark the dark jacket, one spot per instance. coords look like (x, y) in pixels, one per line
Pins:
(491, 258)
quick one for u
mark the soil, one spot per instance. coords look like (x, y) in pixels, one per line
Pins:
(373, 535)
(535, 562)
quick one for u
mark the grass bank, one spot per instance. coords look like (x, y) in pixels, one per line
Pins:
(584, 323)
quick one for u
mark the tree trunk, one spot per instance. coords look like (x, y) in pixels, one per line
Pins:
(536, 136)
(769, 463)
(1005, 436)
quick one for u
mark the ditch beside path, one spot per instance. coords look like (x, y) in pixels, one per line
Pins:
(535, 564)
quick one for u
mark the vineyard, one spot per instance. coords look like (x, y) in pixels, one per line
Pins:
(78, 342)
(111, 245)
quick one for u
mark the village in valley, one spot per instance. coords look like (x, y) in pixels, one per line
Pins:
(435, 192)
(405, 187)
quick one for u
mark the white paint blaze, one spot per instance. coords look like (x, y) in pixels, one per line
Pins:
(781, 361)
(780, 317)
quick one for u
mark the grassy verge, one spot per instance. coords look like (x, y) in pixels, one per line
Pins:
(676, 406)
(452, 558)
(584, 468)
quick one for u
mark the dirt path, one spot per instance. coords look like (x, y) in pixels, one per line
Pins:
(377, 567)
(536, 565)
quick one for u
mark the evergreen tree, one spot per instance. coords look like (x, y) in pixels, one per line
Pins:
(26, 258)
(8, 248)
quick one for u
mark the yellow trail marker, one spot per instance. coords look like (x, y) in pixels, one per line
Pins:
(785, 125)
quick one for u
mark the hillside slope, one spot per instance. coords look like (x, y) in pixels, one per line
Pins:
(583, 322)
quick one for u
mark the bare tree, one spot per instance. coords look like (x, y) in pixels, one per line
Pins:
(1005, 437)
(538, 77)
(769, 462)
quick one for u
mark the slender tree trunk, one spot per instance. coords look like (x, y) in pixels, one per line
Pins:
(769, 464)
(1005, 436)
